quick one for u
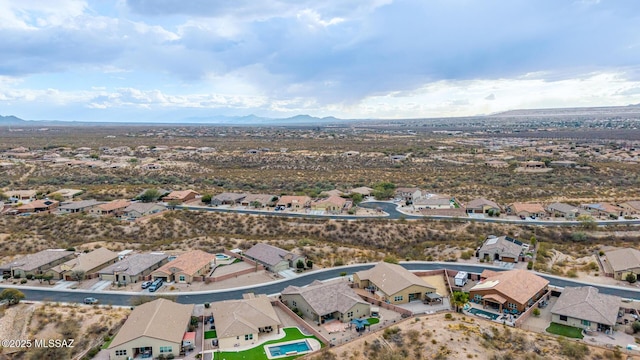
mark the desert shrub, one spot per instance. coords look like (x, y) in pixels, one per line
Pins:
(631, 278)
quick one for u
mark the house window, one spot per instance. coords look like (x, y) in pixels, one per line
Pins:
(182, 278)
(294, 303)
(350, 314)
(586, 322)
(398, 298)
(512, 306)
(477, 297)
(563, 318)
(248, 337)
(166, 349)
(121, 352)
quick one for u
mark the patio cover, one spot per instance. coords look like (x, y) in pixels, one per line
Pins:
(495, 298)
(433, 296)
(360, 323)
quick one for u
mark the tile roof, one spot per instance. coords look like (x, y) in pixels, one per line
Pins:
(38, 204)
(362, 190)
(114, 205)
(179, 195)
(392, 278)
(623, 259)
(519, 285)
(633, 203)
(476, 203)
(159, 319)
(78, 205)
(189, 263)
(134, 264)
(229, 196)
(246, 316)
(261, 198)
(142, 207)
(586, 303)
(88, 261)
(270, 255)
(326, 298)
(291, 199)
(34, 261)
(333, 200)
(534, 208)
(504, 245)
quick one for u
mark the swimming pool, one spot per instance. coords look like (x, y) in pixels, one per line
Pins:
(222, 256)
(298, 347)
(484, 314)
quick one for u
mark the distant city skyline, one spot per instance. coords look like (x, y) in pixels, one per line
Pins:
(163, 60)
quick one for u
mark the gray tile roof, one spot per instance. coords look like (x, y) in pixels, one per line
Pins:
(623, 259)
(392, 278)
(586, 303)
(327, 298)
(270, 255)
(134, 264)
(34, 261)
(79, 205)
(502, 245)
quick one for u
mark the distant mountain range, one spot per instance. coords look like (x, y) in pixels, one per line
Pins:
(307, 120)
(208, 120)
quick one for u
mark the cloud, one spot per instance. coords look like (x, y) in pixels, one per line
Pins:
(490, 97)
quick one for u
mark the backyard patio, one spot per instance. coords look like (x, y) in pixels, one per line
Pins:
(258, 352)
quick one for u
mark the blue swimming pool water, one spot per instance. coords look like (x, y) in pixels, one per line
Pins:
(279, 350)
(222, 256)
(485, 313)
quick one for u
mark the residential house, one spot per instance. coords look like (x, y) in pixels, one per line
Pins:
(363, 190)
(513, 290)
(525, 210)
(585, 307)
(533, 165)
(605, 209)
(88, 263)
(258, 200)
(16, 196)
(334, 192)
(273, 258)
(294, 202)
(620, 262)
(503, 248)
(35, 264)
(67, 194)
(186, 267)
(482, 206)
(408, 194)
(78, 206)
(330, 300)
(151, 166)
(152, 330)
(240, 323)
(393, 283)
(133, 268)
(563, 163)
(227, 198)
(38, 206)
(112, 208)
(139, 209)
(433, 201)
(566, 211)
(180, 196)
(631, 207)
(332, 203)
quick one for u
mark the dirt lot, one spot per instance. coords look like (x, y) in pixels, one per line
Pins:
(436, 337)
(86, 325)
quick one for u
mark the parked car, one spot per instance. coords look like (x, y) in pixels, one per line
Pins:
(146, 284)
(90, 300)
(155, 286)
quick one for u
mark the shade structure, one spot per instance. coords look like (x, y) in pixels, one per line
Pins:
(360, 323)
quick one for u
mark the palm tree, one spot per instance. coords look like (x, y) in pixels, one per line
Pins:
(460, 298)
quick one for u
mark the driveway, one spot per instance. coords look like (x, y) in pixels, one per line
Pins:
(540, 323)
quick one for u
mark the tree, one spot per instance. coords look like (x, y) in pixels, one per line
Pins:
(206, 198)
(150, 195)
(536, 312)
(309, 264)
(459, 299)
(384, 190)
(635, 326)
(255, 204)
(173, 203)
(300, 264)
(631, 278)
(77, 275)
(356, 198)
(587, 222)
(12, 296)
(47, 278)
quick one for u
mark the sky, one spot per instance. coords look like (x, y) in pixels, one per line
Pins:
(167, 60)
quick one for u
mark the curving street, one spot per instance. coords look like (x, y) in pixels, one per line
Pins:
(391, 212)
(125, 298)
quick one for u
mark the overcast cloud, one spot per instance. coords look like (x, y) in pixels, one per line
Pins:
(85, 60)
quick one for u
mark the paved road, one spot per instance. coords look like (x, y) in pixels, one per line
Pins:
(393, 214)
(120, 298)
